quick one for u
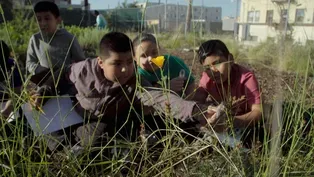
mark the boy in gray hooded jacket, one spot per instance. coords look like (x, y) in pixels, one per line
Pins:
(51, 48)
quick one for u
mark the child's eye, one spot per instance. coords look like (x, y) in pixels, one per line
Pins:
(116, 64)
(217, 64)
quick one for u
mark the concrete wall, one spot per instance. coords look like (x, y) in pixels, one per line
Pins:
(172, 17)
(228, 24)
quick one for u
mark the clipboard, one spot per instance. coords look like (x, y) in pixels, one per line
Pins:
(59, 114)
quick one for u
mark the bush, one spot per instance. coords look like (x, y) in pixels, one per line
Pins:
(16, 33)
(88, 38)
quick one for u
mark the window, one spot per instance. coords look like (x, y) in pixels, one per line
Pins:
(269, 16)
(250, 17)
(299, 16)
(257, 15)
(253, 16)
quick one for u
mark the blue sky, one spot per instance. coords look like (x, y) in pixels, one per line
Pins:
(228, 7)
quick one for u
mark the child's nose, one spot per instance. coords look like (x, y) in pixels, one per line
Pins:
(42, 23)
(214, 68)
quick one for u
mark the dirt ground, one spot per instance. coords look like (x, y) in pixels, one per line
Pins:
(269, 79)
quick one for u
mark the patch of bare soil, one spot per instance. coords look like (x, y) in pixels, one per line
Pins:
(270, 80)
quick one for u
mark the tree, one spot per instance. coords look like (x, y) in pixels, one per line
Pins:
(188, 17)
(6, 4)
(126, 5)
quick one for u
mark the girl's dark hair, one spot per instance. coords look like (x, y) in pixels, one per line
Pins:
(212, 47)
(96, 12)
(143, 38)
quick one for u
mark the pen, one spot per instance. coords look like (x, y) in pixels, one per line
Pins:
(38, 107)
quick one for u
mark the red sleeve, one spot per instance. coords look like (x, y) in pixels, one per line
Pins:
(252, 90)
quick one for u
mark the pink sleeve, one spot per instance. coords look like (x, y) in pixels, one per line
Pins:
(204, 81)
(252, 91)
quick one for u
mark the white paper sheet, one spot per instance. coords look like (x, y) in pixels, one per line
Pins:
(59, 114)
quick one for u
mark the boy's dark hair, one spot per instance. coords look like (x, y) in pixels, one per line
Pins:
(212, 47)
(4, 57)
(144, 37)
(115, 42)
(96, 12)
(47, 6)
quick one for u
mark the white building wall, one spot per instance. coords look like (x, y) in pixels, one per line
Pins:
(259, 30)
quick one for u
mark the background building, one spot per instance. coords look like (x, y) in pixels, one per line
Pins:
(264, 19)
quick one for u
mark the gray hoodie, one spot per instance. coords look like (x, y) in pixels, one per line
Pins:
(46, 52)
(106, 99)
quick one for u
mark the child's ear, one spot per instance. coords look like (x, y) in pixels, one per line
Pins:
(100, 62)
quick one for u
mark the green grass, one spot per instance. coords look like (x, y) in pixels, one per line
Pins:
(201, 158)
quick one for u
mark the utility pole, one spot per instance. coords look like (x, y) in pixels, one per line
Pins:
(203, 20)
(235, 30)
(276, 128)
(87, 12)
(165, 27)
(177, 15)
(188, 17)
(287, 20)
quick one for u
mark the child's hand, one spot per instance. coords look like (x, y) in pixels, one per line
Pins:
(7, 109)
(177, 84)
(36, 101)
(217, 118)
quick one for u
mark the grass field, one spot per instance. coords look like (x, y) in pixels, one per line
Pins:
(21, 156)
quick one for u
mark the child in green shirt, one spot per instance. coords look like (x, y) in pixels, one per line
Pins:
(178, 75)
